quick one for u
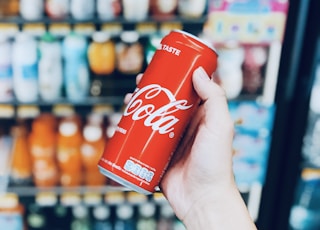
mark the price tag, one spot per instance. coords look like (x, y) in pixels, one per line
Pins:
(37, 29)
(28, 111)
(166, 27)
(46, 199)
(9, 29)
(113, 29)
(85, 29)
(63, 110)
(60, 29)
(92, 198)
(70, 199)
(146, 28)
(6, 111)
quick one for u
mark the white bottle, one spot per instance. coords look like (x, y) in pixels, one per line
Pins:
(32, 9)
(229, 70)
(50, 68)
(25, 69)
(82, 9)
(6, 82)
(135, 10)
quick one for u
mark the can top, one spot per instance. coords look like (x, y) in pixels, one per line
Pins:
(197, 39)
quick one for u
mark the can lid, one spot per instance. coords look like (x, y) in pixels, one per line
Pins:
(196, 38)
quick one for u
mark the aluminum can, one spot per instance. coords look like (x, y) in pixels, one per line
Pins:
(159, 111)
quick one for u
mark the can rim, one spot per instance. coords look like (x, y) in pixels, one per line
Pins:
(197, 39)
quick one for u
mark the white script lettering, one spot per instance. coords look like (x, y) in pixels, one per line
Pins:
(159, 119)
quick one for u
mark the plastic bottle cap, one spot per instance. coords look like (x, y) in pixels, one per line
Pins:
(147, 209)
(92, 133)
(79, 211)
(101, 212)
(124, 211)
(166, 211)
(100, 36)
(129, 36)
(48, 37)
(68, 128)
(9, 200)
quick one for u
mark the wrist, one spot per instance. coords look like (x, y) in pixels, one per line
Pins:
(219, 209)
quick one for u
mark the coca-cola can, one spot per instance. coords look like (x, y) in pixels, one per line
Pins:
(154, 120)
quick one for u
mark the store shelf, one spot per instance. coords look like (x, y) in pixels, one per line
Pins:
(33, 191)
(126, 24)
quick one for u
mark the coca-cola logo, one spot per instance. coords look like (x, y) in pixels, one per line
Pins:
(161, 119)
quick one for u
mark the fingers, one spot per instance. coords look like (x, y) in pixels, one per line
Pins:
(129, 95)
(138, 78)
(127, 98)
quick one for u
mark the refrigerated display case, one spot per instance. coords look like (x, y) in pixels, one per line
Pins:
(257, 36)
(288, 173)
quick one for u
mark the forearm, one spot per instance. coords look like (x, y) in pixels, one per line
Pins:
(227, 211)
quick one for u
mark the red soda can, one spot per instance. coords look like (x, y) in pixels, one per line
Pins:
(154, 120)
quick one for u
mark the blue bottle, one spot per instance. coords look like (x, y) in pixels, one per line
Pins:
(76, 68)
(305, 213)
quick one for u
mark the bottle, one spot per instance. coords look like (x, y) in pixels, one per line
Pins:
(21, 168)
(91, 150)
(124, 215)
(101, 53)
(108, 9)
(229, 69)
(60, 219)
(166, 219)
(36, 218)
(135, 10)
(101, 214)
(11, 212)
(9, 8)
(50, 68)
(130, 56)
(152, 45)
(57, 9)
(42, 141)
(81, 220)
(146, 220)
(68, 151)
(31, 9)
(191, 8)
(82, 9)
(163, 8)
(311, 145)
(255, 58)
(305, 213)
(76, 69)
(25, 68)
(6, 80)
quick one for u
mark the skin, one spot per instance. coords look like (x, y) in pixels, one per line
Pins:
(199, 184)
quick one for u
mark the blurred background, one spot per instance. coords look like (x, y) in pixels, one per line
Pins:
(65, 66)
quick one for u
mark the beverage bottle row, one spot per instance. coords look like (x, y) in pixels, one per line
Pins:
(50, 151)
(104, 9)
(50, 67)
(146, 215)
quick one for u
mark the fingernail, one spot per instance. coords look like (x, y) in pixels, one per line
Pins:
(201, 73)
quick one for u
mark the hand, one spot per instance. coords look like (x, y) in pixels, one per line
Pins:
(199, 183)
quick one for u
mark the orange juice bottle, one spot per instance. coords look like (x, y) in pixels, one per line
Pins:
(21, 172)
(101, 54)
(43, 150)
(68, 151)
(91, 150)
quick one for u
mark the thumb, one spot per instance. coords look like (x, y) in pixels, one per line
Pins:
(214, 101)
